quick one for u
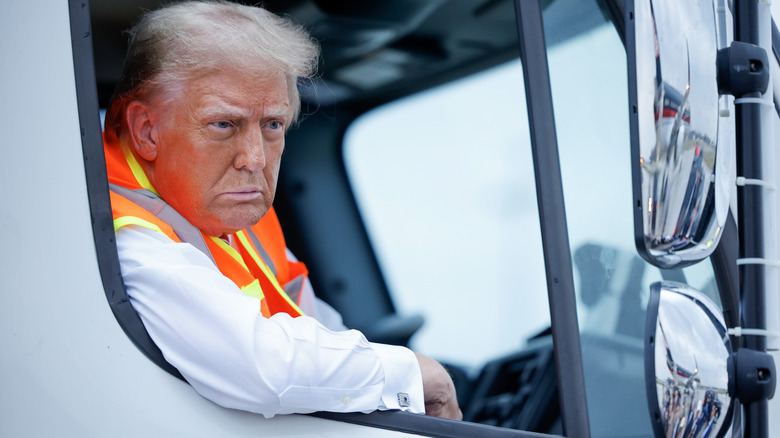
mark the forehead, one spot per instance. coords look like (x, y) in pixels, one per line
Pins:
(246, 92)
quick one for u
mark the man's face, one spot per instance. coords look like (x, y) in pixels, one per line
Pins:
(219, 143)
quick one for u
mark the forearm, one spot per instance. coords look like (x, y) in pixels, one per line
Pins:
(218, 340)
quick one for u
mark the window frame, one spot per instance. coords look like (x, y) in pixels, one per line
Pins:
(552, 216)
(571, 387)
(97, 187)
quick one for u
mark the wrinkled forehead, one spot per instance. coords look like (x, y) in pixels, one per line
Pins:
(249, 80)
(225, 77)
(230, 103)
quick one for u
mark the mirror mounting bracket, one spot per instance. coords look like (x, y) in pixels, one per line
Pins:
(743, 68)
(752, 375)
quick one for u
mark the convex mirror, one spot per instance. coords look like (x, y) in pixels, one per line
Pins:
(687, 351)
(675, 113)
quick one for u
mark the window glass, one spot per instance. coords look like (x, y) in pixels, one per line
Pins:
(590, 95)
(444, 181)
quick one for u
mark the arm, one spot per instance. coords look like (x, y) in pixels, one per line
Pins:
(315, 307)
(439, 390)
(440, 398)
(233, 356)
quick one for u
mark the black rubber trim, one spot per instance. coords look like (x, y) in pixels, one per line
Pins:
(427, 426)
(636, 172)
(552, 218)
(97, 186)
(776, 51)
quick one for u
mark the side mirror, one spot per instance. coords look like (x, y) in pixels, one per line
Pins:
(681, 180)
(687, 360)
(693, 379)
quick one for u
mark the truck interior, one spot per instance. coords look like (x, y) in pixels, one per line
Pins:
(408, 190)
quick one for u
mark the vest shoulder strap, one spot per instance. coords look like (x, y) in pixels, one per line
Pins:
(267, 233)
(126, 213)
(143, 207)
(160, 209)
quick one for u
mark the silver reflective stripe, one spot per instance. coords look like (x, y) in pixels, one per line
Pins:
(155, 205)
(293, 288)
(260, 250)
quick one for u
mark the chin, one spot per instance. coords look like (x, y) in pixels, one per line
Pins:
(245, 220)
(229, 219)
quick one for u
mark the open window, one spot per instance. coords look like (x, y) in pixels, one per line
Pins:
(405, 203)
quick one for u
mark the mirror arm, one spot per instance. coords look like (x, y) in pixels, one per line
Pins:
(751, 375)
(724, 265)
(616, 11)
(743, 68)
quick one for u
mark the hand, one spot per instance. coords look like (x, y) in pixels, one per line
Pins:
(438, 389)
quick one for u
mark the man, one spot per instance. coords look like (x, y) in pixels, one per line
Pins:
(194, 136)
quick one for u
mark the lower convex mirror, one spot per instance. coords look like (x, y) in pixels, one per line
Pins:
(686, 363)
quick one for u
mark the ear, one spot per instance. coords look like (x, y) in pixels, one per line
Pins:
(141, 129)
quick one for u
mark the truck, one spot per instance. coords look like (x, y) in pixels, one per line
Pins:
(469, 178)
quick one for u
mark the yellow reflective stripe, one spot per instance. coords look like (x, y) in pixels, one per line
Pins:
(256, 257)
(138, 172)
(132, 220)
(230, 250)
(242, 237)
(253, 289)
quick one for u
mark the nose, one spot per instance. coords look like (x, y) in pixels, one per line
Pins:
(251, 152)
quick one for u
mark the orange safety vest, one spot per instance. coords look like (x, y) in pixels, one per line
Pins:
(259, 266)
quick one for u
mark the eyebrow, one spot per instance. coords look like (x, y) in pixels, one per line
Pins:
(278, 111)
(228, 111)
(222, 109)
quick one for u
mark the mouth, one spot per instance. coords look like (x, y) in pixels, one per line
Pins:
(244, 194)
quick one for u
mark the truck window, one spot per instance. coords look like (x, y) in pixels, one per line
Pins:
(447, 194)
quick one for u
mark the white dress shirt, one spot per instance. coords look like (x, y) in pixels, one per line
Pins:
(220, 342)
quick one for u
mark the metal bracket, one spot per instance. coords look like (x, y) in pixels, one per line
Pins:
(751, 375)
(743, 68)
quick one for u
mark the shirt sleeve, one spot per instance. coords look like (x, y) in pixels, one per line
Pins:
(220, 342)
(311, 305)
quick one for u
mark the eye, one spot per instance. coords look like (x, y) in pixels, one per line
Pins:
(221, 129)
(275, 125)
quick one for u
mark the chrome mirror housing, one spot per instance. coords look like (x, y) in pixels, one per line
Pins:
(681, 177)
(687, 357)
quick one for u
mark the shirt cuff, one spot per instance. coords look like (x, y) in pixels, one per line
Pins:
(403, 380)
